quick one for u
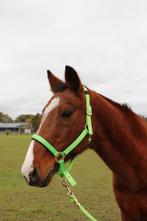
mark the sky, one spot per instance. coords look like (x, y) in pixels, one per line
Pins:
(105, 41)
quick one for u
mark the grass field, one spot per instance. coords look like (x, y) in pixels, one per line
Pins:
(20, 202)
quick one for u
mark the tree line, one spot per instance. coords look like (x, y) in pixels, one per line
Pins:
(33, 120)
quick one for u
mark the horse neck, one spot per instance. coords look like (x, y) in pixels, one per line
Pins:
(117, 135)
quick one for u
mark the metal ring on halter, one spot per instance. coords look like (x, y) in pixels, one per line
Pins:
(59, 157)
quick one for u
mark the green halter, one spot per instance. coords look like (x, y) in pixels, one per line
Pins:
(60, 156)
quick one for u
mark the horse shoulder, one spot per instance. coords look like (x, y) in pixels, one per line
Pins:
(132, 203)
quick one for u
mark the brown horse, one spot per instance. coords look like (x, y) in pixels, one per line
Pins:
(119, 138)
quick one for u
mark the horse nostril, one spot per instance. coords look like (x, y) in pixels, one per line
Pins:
(33, 176)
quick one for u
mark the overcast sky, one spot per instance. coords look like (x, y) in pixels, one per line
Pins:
(105, 41)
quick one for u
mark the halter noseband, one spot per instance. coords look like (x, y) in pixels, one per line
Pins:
(60, 156)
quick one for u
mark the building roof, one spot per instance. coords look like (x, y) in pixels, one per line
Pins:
(13, 125)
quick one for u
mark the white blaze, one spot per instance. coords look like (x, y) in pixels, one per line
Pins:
(54, 103)
(28, 166)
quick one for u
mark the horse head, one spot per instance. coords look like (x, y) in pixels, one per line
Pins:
(63, 118)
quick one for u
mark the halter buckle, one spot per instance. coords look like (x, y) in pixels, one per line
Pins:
(89, 110)
(59, 157)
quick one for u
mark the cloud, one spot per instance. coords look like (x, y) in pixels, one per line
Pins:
(105, 41)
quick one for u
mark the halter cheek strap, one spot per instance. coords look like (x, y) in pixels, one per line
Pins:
(60, 156)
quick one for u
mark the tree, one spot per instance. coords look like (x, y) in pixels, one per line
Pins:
(5, 118)
(23, 118)
(36, 121)
(32, 120)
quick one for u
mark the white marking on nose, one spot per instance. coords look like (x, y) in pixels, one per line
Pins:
(27, 166)
(54, 103)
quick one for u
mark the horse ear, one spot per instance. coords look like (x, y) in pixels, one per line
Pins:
(72, 79)
(55, 83)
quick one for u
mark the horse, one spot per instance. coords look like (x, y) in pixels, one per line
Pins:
(119, 138)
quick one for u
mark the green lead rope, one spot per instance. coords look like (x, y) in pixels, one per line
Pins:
(72, 196)
(74, 200)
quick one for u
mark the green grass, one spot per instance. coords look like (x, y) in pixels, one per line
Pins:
(20, 202)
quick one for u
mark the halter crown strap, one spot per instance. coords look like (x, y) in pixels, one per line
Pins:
(88, 113)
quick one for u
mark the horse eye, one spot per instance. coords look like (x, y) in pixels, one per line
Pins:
(66, 113)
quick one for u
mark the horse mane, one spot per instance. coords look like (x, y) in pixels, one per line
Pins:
(135, 119)
(124, 107)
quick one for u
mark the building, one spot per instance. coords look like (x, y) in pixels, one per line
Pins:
(14, 128)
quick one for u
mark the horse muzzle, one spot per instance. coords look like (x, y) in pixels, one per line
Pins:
(37, 181)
